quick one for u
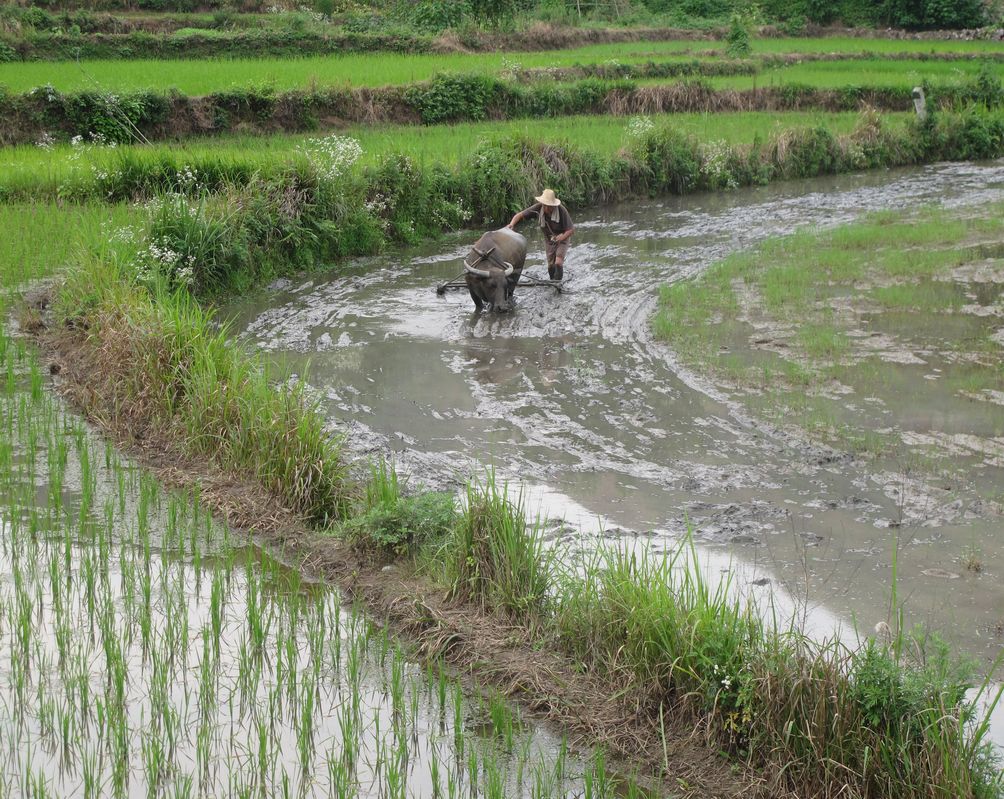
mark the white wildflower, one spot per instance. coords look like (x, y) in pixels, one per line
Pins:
(332, 156)
(45, 141)
(188, 180)
(124, 234)
(511, 68)
(639, 126)
(715, 165)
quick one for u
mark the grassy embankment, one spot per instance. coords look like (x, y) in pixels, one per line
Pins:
(153, 362)
(62, 170)
(805, 322)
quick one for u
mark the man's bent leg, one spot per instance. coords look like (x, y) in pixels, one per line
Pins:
(558, 272)
(551, 250)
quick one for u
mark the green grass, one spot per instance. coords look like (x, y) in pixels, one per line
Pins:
(891, 275)
(823, 340)
(27, 171)
(48, 237)
(927, 296)
(381, 69)
(496, 555)
(218, 399)
(877, 72)
(878, 46)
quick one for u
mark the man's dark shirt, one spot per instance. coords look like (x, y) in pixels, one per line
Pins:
(552, 227)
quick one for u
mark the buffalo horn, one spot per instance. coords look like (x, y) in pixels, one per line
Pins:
(473, 271)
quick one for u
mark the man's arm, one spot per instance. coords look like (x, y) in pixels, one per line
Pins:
(533, 209)
(565, 236)
(571, 227)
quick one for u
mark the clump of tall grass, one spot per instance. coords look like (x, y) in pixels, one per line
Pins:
(820, 718)
(496, 556)
(163, 365)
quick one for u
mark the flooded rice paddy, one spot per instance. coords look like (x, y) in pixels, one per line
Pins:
(570, 397)
(145, 653)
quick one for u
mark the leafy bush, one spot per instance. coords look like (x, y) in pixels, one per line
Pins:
(934, 13)
(402, 527)
(806, 153)
(435, 15)
(450, 98)
(667, 160)
(395, 524)
(986, 88)
(414, 203)
(737, 42)
(981, 136)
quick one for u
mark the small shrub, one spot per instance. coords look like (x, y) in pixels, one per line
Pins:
(496, 557)
(326, 8)
(737, 42)
(667, 159)
(434, 16)
(806, 153)
(986, 88)
(413, 203)
(453, 98)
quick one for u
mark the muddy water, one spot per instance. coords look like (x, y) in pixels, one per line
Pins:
(570, 397)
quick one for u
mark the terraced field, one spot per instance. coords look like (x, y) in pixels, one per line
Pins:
(248, 542)
(385, 69)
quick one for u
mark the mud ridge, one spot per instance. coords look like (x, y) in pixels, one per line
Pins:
(482, 647)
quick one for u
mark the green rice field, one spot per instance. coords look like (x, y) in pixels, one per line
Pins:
(32, 171)
(865, 72)
(370, 70)
(193, 77)
(150, 648)
(29, 170)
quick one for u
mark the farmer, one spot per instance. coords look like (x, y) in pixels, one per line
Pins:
(556, 223)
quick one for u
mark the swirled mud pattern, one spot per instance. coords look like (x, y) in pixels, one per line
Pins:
(571, 398)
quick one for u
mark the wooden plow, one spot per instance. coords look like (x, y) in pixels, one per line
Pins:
(525, 282)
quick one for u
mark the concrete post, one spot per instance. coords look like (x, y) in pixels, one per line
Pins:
(919, 102)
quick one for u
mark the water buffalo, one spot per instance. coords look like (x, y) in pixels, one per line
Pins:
(493, 268)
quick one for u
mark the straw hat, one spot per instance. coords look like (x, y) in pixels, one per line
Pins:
(548, 198)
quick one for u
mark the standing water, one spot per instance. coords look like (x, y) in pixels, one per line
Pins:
(145, 653)
(570, 396)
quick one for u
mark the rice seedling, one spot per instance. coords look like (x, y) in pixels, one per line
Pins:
(107, 577)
